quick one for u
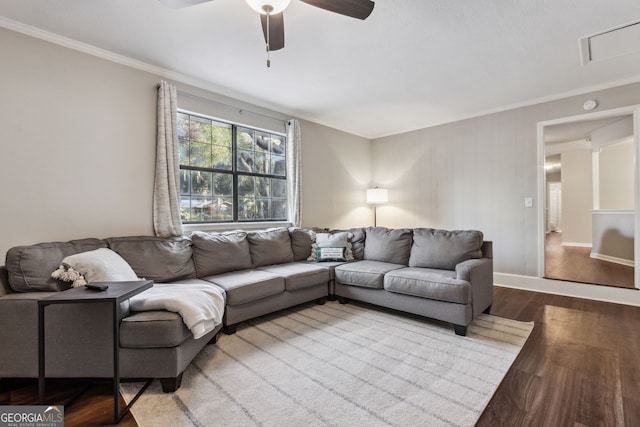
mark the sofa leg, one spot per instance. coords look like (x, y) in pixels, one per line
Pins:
(460, 330)
(169, 385)
(487, 310)
(332, 297)
(214, 339)
(321, 301)
(230, 329)
(342, 300)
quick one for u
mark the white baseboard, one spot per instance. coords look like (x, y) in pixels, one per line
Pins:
(621, 261)
(570, 289)
(576, 245)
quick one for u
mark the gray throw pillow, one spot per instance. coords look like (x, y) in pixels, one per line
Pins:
(383, 244)
(216, 253)
(444, 249)
(270, 247)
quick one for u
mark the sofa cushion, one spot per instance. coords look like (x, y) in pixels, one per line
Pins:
(357, 242)
(215, 253)
(299, 275)
(444, 249)
(157, 258)
(301, 241)
(383, 244)
(433, 284)
(270, 247)
(29, 267)
(367, 273)
(148, 329)
(98, 265)
(248, 285)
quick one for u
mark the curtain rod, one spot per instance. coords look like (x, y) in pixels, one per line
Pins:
(240, 110)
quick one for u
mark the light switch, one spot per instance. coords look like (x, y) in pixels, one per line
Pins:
(528, 202)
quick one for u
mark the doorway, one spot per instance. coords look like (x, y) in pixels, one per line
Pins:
(586, 238)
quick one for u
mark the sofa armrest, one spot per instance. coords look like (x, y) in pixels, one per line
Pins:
(478, 272)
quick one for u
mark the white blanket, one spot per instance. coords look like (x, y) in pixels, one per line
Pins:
(201, 306)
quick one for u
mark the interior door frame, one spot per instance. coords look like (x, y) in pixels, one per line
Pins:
(633, 110)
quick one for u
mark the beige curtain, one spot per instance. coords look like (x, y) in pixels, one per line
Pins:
(293, 173)
(166, 189)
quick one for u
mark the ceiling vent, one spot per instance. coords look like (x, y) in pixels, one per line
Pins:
(611, 43)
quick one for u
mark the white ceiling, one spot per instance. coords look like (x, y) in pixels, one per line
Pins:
(412, 64)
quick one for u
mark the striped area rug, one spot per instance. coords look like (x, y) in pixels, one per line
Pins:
(340, 365)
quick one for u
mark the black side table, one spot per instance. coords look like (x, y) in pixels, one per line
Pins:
(114, 295)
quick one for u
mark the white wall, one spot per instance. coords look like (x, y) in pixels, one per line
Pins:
(77, 144)
(476, 173)
(577, 197)
(617, 169)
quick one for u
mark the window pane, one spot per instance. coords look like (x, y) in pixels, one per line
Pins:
(201, 183)
(183, 126)
(263, 142)
(245, 161)
(200, 129)
(263, 209)
(246, 186)
(222, 156)
(245, 139)
(185, 208)
(279, 188)
(278, 209)
(200, 155)
(201, 208)
(223, 184)
(278, 165)
(262, 163)
(185, 179)
(246, 208)
(223, 209)
(221, 134)
(183, 152)
(262, 187)
(277, 144)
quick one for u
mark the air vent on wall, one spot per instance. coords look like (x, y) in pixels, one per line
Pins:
(618, 41)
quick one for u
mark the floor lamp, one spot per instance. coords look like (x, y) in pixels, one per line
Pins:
(376, 196)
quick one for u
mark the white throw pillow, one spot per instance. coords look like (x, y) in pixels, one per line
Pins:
(100, 265)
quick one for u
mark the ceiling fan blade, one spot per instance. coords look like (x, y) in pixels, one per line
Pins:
(360, 9)
(179, 4)
(276, 30)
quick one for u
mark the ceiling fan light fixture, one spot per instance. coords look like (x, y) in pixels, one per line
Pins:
(268, 6)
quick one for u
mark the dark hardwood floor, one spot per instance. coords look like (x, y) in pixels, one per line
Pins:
(579, 367)
(575, 264)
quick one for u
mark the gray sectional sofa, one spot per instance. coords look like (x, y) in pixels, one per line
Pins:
(445, 275)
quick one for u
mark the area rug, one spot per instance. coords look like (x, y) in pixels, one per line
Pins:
(339, 365)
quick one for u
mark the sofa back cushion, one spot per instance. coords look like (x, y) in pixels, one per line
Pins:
(270, 247)
(157, 258)
(444, 249)
(216, 253)
(383, 244)
(302, 240)
(29, 267)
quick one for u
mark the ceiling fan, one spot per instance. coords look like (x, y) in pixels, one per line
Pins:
(272, 18)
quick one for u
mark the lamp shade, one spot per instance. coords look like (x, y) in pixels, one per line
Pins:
(270, 6)
(377, 195)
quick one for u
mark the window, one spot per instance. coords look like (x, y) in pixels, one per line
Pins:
(230, 173)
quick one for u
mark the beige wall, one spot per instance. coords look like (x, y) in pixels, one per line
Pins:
(617, 170)
(77, 144)
(476, 173)
(577, 197)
